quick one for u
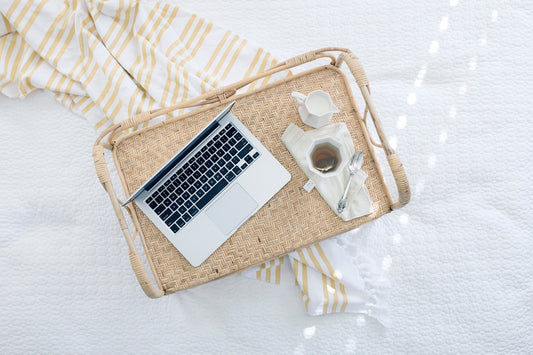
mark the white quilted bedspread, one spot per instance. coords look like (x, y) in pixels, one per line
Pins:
(452, 83)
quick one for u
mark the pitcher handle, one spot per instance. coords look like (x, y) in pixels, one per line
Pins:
(298, 97)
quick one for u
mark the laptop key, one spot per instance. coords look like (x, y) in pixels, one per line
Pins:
(167, 202)
(194, 198)
(187, 217)
(236, 170)
(174, 228)
(256, 155)
(180, 201)
(193, 211)
(174, 206)
(172, 218)
(182, 209)
(245, 151)
(153, 204)
(241, 144)
(166, 214)
(212, 182)
(230, 176)
(160, 209)
(211, 194)
(248, 159)
(159, 199)
(180, 222)
(218, 176)
(188, 204)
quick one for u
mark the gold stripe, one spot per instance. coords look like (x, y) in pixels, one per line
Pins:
(10, 49)
(21, 50)
(278, 270)
(324, 279)
(182, 36)
(214, 54)
(139, 58)
(116, 21)
(31, 20)
(153, 60)
(12, 9)
(258, 272)
(332, 275)
(254, 62)
(233, 60)
(123, 27)
(81, 58)
(335, 296)
(8, 26)
(130, 33)
(89, 107)
(344, 297)
(198, 45)
(61, 52)
(29, 77)
(115, 91)
(268, 272)
(195, 32)
(326, 294)
(205, 71)
(305, 282)
(51, 30)
(224, 56)
(265, 80)
(261, 69)
(164, 96)
(22, 13)
(57, 38)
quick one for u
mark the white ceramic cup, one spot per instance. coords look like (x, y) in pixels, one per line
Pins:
(335, 148)
(315, 109)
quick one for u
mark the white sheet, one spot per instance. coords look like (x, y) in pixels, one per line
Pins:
(452, 82)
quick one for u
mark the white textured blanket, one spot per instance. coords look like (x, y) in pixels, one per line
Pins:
(452, 82)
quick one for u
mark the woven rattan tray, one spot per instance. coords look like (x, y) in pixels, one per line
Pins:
(293, 218)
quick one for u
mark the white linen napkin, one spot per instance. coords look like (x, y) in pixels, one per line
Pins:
(331, 188)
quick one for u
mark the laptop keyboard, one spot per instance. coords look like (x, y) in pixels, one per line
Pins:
(225, 156)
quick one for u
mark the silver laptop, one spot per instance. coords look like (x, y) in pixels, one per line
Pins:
(211, 187)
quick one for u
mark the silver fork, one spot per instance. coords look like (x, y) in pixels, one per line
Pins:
(355, 164)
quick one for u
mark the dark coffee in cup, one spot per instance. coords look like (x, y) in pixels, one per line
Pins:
(325, 157)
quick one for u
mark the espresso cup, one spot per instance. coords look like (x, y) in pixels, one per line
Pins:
(326, 157)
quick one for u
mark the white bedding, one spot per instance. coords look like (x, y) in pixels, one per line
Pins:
(452, 82)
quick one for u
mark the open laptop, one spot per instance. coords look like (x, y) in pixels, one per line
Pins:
(211, 187)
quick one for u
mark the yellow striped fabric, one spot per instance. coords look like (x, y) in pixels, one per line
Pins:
(109, 60)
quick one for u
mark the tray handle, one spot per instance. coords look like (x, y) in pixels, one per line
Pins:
(105, 179)
(398, 171)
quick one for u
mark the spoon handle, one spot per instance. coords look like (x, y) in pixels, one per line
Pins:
(342, 203)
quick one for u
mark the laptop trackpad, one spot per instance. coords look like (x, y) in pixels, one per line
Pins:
(231, 209)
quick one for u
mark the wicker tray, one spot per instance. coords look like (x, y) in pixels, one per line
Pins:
(267, 112)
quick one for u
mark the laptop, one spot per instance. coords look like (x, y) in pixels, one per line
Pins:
(211, 187)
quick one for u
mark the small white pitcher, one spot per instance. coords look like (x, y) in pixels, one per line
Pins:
(316, 108)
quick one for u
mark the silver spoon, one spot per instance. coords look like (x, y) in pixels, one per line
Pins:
(355, 164)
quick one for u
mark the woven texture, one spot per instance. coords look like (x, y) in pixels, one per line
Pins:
(292, 219)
